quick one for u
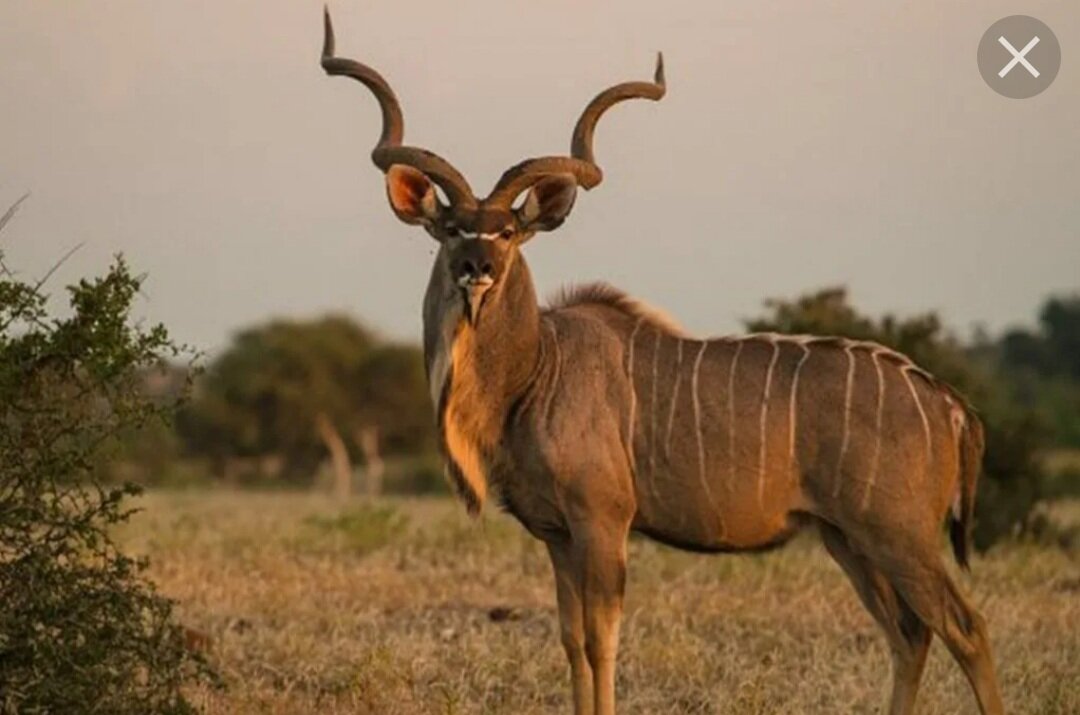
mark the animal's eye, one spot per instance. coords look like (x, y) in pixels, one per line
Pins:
(507, 233)
(451, 229)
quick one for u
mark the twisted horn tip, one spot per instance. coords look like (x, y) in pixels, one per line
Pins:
(658, 76)
(328, 34)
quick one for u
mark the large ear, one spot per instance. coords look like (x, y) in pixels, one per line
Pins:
(548, 203)
(412, 196)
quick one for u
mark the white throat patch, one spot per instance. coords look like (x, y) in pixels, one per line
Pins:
(442, 360)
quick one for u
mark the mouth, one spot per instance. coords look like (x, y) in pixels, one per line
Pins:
(474, 290)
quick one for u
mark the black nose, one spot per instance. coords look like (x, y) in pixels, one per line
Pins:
(475, 269)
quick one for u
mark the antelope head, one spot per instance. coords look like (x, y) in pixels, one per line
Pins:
(480, 238)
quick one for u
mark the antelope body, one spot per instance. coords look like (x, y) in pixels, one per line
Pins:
(596, 416)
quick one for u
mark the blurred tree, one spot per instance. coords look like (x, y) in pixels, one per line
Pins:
(1024, 350)
(1043, 368)
(302, 389)
(393, 409)
(147, 454)
(1060, 320)
(1012, 476)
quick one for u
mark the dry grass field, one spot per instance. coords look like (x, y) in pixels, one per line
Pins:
(411, 607)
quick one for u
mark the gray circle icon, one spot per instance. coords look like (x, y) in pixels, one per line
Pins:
(1019, 56)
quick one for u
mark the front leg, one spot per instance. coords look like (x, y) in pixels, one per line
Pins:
(600, 553)
(568, 589)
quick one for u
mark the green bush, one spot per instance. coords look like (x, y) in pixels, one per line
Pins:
(81, 629)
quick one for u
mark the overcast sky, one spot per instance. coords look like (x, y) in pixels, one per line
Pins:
(801, 144)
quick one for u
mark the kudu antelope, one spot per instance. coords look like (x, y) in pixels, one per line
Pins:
(595, 417)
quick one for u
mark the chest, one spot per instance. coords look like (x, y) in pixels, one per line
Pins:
(469, 432)
(496, 455)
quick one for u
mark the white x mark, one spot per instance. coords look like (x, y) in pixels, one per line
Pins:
(1019, 57)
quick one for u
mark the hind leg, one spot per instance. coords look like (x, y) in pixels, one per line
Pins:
(909, 638)
(912, 563)
(926, 585)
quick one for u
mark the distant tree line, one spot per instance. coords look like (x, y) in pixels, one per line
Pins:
(1043, 368)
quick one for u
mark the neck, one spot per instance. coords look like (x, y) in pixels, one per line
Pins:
(502, 348)
(505, 343)
(477, 372)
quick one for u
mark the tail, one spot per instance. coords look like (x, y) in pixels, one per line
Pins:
(962, 518)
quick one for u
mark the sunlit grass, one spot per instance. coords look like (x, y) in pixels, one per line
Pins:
(312, 608)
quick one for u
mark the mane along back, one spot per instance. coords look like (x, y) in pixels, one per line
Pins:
(607, 295)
